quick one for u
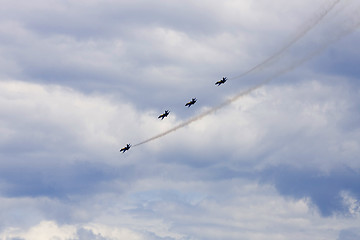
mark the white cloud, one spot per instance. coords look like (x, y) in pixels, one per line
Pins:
(87, 77)
(243, 210)
(302, 124)
(275, 117)
(58, 119)
(46, 230)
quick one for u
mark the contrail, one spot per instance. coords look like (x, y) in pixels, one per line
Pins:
(353, 25)
(297, 37)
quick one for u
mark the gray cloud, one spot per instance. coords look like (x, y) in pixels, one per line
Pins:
(124, 62)
(58, 180)
(85, 234)
(349, 234)
(324, 189)
(81, 79)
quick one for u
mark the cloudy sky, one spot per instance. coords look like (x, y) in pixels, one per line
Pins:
(81, 79)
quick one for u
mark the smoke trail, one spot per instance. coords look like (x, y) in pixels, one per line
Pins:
(297, 37)
(214, 109)
(204, 114)
(352, 26)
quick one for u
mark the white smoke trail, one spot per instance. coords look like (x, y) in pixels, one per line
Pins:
(299, 35)
(352, 25)
(214, 109)
(204, 114)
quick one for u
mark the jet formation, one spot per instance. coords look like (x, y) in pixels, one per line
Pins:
(166, 113)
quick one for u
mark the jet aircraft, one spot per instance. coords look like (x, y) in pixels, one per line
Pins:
(222, 81)
(192, 102)
(164, 114)
(124, 149)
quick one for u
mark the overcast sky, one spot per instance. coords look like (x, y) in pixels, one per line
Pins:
(81, 79)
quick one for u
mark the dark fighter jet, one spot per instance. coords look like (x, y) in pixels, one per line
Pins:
(124, 149)
(222, 81)
(164, 114)
(192, 102)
